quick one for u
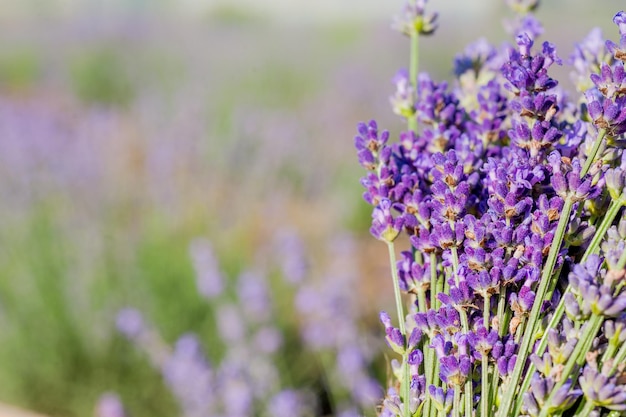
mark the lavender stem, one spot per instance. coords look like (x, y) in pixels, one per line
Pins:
(406, 384)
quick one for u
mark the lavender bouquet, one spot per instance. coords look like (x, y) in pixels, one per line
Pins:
(507, 196)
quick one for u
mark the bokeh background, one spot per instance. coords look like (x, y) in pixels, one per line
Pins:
(144, 142)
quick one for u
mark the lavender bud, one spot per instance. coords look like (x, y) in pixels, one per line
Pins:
(384, 226)
(602, 389)
(415, 19)
(615, 179)
(394, 337)
(110, 405)
(208, 275)
(130, 323)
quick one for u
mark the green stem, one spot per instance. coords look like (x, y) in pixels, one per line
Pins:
(607, 221)
(421, 301)
(546, 276)
(619, 358)
(406, 384)
(609, 352)
(520, 329)
(413, 66)
(456, 405)
(469, 396)
(594, 151)
(484, 389)
(455, 264)
(433, 280)
(396, 288)
(484, 380)
(433, 367)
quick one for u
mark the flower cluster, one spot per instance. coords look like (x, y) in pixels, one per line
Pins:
(506, 189)
(247, 378)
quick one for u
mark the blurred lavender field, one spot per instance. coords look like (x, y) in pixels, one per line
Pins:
(181, 220)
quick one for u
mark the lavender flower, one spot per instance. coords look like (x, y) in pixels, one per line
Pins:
(110, 405)
(415, 19)
(602, 389)
(208, 275)
(619, 51)
(500, 188)
(288, 403)
(190, 377)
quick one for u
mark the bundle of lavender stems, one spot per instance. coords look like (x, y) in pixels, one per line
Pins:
(501, 206)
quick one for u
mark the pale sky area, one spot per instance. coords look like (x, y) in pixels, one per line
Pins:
(283, 10)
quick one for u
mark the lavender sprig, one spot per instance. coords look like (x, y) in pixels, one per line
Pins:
(499, 205)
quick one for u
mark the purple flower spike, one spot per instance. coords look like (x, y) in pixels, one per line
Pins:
(602, 389)
(441, 345)
(369, 144)
(482, 341)
(615, 182)
(384, 226)
(415, 359)
(110, 405)
(455, 371)
(608, 114)
(403, 101)
(415, 19)
(442, 399)
(209, 277)
(288, 403)
(394, 337)
(619, 51)
(524, 43)
(610, 82)
(130, 323)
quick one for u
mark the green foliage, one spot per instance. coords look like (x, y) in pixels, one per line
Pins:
(228, 14)
(98, 76)
(58, 356)
(19, 70)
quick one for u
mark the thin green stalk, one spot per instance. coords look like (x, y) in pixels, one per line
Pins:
(396, 288)
(484, 380)
(619, 358)
(433, 367)
(607, 221)
(433, 280)
(484, 389)
(520, 329)
(455, 264)
(421, 301)
(502, 315)
(468, 384)
(456, 405)
(413, 66)
(594, 151)
(546, 276)
(406, 384)
(609, 352)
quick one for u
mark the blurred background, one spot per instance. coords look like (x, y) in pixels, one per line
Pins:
(181, 215)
